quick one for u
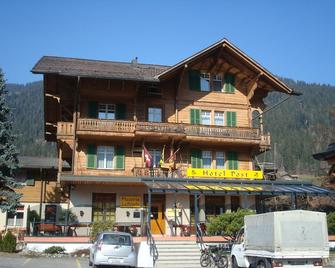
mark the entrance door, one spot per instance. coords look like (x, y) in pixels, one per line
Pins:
(157, 219)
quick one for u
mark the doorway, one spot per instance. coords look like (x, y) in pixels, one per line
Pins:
(157, 219)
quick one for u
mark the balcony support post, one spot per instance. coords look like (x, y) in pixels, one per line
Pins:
(149, 210)
(75, 120)
(60, 161)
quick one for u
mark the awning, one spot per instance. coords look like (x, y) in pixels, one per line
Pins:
(225, 187)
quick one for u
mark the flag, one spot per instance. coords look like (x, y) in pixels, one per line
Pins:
(161, 162)
(147, 157)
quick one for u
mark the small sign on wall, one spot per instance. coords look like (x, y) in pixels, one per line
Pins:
(130, 201)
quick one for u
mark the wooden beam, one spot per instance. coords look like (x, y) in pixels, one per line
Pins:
(253, 86)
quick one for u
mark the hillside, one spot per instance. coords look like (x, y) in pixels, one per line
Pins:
(299, 127)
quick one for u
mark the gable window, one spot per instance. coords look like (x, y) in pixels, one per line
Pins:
(105, 157)
(154, 114)
(216, 82)
(156, 157)
(205, 117)
(106, 111)
(220, 160)
(207, 159)
(219, 118)
(204, 82)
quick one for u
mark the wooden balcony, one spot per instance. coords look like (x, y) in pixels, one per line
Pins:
(130, 129)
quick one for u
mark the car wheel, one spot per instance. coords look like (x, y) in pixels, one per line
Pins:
(90, 263)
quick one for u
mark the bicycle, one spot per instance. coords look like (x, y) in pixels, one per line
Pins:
(213, 256)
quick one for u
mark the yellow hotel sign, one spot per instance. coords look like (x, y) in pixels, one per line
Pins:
(130, 201)
(225, 173)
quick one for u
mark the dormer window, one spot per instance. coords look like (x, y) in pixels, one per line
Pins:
(204, 81)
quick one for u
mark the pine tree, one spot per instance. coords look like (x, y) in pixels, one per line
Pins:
(8, 156)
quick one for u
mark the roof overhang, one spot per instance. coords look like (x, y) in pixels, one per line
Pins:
(236, 52)
(234, 187)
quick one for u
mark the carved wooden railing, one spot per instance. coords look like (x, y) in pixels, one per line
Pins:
(222, 132)
(184, 129)
(266, 140)
(65, 129)
(158, 172)
(106, 125)
(160, 127)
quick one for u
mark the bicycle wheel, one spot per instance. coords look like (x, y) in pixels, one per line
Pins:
(222, 261)
(205, 259)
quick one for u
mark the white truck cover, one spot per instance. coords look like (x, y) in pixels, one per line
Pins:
(295, 233)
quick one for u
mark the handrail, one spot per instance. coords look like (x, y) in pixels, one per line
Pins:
(152, 244)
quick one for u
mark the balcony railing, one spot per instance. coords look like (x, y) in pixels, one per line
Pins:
(65, 129)
(120, 126)
(222, 132)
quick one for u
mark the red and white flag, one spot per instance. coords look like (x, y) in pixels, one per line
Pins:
(147, 157)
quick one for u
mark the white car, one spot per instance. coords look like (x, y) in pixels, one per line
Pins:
(113, 248)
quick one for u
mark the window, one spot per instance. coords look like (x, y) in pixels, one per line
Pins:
(15, 219)
(219, 118)
(205, 117)
(106, 111)
(156, 157)
(220, 160)
(154, 114)
(103, 207)
(207, 159)
(217, 82)
(204, 82)
(105, 156)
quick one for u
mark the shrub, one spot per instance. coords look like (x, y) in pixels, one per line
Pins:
(100, 226)
(54, 250)
(8, 243)
(331, 223)
(0, 242)
(228, 223)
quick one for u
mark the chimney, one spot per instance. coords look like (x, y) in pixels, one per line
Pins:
(134, 61)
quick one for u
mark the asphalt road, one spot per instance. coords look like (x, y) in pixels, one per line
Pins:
(15, 261)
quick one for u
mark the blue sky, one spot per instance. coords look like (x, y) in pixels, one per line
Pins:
(291, 38)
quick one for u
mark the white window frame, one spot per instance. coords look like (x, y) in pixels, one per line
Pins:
(106, 111)
(153, 112)
(205, 77)
(106, 151)
(220, 155)
(205, 114)
(217, 78)
(219, 115)
(15, 219)
(206, 155)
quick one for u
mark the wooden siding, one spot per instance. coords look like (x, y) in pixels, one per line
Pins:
(51, 193)
(136, 160)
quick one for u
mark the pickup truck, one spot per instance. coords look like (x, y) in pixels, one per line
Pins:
(295, 238)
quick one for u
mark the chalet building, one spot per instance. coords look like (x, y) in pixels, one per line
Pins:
(329, 156)
(42, 197)
(167, 145)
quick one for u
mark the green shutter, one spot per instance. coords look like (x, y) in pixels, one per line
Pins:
(92, 109)
(120, 111)
(30, 181)
(195, 116)
(91, 156)
(119, 155)
(229, 80)
(194, 80)
(232, 160)
(196, 159)
(231, 119)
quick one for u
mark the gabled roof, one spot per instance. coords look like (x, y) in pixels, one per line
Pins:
(230, 48)
(98, 69)
(328, 154)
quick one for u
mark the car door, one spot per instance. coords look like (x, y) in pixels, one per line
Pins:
(239, 250)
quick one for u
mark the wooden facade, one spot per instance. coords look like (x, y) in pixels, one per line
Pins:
(234, 90)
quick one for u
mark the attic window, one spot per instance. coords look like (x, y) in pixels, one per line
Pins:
(217, 82)
(205, 82)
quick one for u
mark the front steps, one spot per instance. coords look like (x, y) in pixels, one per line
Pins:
(177, 254)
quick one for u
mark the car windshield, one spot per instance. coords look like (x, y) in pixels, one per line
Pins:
(116, 239)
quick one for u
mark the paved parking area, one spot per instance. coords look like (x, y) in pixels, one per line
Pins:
(15, 261)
